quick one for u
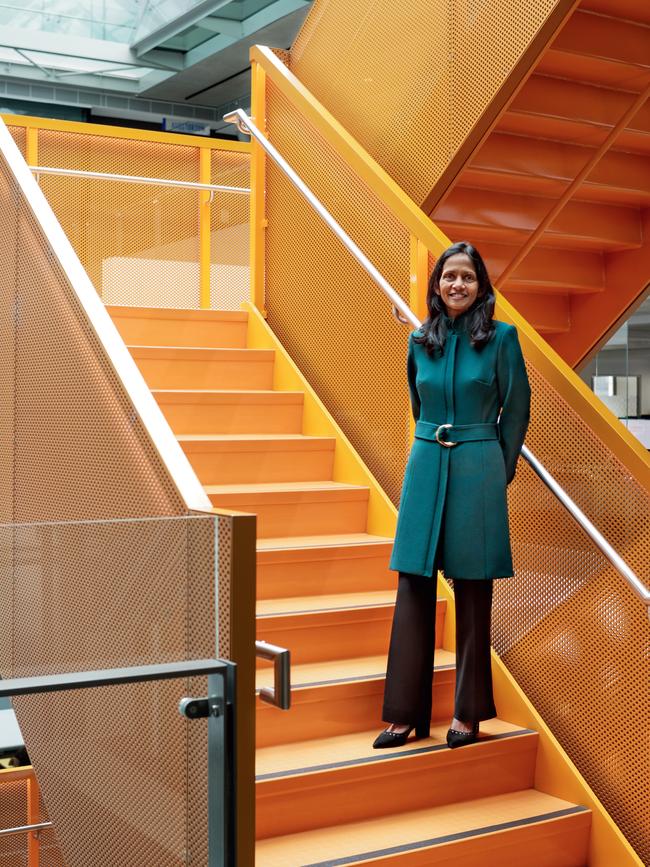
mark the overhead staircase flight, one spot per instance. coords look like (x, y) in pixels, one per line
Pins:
(585, 105)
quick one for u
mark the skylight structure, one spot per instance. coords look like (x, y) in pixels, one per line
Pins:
(127, 45)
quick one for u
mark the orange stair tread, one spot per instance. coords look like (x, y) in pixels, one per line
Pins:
(282, 487)
(339, 670)
(177, 313)
(355, 839)
(209, 351)
(225, 395)
(632, 10)
(197, 438)
(546, 287)
(512, 181)
(337, 540)
(332, 602)
(357, 747)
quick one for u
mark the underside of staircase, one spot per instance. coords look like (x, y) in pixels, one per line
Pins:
(324, 796)
(584, 104)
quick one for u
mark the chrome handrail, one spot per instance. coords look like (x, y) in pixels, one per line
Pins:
(246, 125)
(137, 179)
(20, 829)
(405, 315)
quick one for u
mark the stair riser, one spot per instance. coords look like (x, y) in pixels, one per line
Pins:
(170, 332)
(181, 373)
(546, 313)
(560, 842)
(221, 467)
(301, 519)
(570, 239)
(355, 634)
(280, 578)
(320, 712)
(354, 794)
(232, 418)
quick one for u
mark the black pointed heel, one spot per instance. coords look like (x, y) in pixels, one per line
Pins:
(460, 739)
(388, 739)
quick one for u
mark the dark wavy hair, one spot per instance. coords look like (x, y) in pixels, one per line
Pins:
(480, 324)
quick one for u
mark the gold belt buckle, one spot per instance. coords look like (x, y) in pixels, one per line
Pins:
(446, 443)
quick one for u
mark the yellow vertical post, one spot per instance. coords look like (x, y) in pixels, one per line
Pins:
(258, 220)
(31, 146)
(419, 278)
(33, 815)
(205, 208)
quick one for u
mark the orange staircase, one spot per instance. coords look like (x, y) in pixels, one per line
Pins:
(324, 796)
(591, 264)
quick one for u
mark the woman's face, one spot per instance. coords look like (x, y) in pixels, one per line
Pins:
(458, 286)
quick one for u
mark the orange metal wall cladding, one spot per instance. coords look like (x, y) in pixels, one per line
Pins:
(572, 634)
(447, 61)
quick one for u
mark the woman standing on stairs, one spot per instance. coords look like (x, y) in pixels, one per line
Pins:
(463, 367)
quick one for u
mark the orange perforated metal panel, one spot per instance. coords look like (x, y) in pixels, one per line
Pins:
(66, 397)
(323, 306)
(410, 80)
(229, 232)
(138, 243)
(13, 814)
(568, 626)
(17, 786)
(19, 134)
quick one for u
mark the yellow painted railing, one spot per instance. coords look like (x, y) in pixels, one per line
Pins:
(184, 229)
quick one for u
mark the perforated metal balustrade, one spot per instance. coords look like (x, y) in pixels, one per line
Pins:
(100, 566)
(140, 244)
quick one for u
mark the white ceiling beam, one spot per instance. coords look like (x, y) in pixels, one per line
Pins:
(172, 28)
(227, 26)
(32, 62)
(32, 75)
(151, 79)
(265, 17)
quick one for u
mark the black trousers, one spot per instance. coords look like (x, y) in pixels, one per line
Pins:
(409, 676)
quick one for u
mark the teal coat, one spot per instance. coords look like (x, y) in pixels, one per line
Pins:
(464, 386)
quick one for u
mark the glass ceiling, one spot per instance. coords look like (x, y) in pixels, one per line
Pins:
(80, 26)
(111, 20)
(131, 47)
(122, 42)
